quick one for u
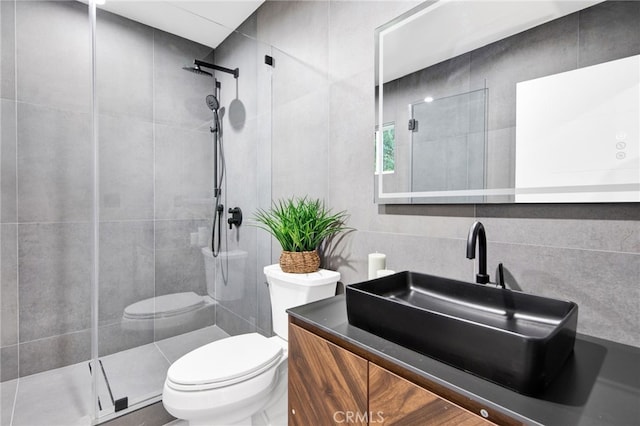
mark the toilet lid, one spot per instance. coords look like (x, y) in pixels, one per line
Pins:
(164, 306)
(225, 361)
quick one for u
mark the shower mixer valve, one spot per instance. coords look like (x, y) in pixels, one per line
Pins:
(236, 217)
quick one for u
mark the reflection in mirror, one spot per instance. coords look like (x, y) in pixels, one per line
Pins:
(571, 132)
(448, 48)
(385, 163)
(447, 143)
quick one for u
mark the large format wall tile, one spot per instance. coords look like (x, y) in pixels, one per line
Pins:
(179, 96)
(116, 337)
(54, 165)
(54, 279)
(126, 169)
(184, 173)
(126, 267)
(54, 54)
(435, 256)
(125, 75)
(8, 49)
(299, 154)
(232, 324)
(179, 265)
(278, 23)
(9, 285)
(603, 284)
(54, 352)
(8, 146)
(234, 286)
(622, 236)
(9, 363)
(351, 47)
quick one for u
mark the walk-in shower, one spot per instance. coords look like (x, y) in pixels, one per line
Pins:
(127, 283)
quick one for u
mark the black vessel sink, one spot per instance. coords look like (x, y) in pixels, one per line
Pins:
(514, 339)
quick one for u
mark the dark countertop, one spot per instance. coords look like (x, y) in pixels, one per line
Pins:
(599, 385)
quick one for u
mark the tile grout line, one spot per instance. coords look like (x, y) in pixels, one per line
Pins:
(514, 243)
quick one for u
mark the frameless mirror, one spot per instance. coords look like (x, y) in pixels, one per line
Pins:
(501, 102)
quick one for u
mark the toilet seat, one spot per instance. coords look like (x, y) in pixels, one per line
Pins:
(165, 306)
(224, 362)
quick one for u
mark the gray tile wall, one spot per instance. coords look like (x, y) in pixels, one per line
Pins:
(155, 180)
(587, 253)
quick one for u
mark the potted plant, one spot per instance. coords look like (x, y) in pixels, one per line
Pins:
(300, 225)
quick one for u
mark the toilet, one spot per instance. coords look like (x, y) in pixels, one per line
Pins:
(177, 313)
(242, 380)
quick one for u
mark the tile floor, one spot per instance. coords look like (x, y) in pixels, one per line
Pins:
(62, 397)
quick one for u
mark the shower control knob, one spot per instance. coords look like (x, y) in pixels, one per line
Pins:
(236, 217)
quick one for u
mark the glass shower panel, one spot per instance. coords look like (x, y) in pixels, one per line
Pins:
(163, 291)
(448, 138)
(46, 212)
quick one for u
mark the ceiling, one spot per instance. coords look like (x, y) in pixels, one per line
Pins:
(207, 22)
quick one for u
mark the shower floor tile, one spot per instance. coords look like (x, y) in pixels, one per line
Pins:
(56, 397)
(62, 397)
(136, 373)
(7, 397)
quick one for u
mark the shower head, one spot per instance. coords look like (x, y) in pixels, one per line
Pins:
(197, 70)
(212, 103)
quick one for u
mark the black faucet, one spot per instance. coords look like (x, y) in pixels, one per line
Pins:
(476, 232)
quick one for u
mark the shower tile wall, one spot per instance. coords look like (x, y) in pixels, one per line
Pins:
(155, 179)
(588, 253)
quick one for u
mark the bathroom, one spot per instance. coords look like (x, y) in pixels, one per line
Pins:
(311, 113)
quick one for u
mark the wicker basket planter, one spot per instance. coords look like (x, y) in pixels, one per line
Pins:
(299, 262)
(300, 225)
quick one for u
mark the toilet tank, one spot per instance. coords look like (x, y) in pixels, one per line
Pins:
(289, 290)
(225, 273)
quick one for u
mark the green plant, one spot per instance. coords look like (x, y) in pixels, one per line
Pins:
(300, 224)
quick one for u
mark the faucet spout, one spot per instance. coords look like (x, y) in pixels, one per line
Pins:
(477, 234)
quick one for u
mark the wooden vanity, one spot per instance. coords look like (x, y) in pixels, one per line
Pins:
(348, 388)
(340, 374)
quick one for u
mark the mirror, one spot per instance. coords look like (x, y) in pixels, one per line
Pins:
(502, 102)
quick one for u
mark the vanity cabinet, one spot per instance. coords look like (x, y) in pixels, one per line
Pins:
(329, 385)
(326, 382)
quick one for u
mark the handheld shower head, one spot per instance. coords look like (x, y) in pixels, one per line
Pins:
(212, 103)
(197, 70)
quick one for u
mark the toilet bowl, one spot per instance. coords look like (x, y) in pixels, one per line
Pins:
(242, 380)
(174, 313)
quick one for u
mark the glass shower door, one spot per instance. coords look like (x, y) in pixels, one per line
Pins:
(161, 290)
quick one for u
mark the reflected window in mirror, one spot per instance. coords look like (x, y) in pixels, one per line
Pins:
(385, 163)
